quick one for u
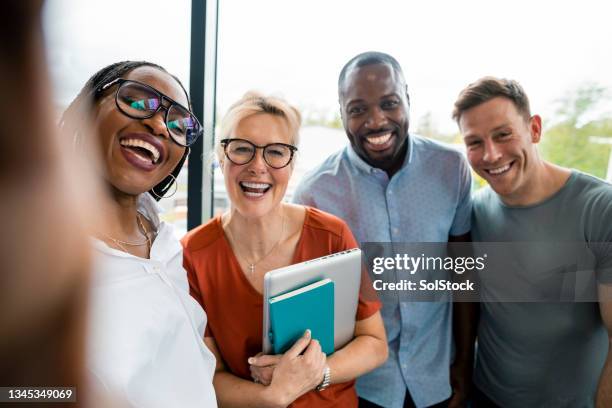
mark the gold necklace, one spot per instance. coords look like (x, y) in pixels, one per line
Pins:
(143, 230)
(253, 264)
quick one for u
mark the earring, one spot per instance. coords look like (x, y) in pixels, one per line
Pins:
(167, 196)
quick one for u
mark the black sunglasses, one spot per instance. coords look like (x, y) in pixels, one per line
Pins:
(240, 151)
(141, 101)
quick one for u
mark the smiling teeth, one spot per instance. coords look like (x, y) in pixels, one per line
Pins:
(142, 144)
(378, 140)
(500, 170)
(259, 186)
(252, 189)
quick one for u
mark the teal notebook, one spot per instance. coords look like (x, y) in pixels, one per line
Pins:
(309, 307)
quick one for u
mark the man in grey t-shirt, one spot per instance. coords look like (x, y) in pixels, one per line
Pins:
(536, 354)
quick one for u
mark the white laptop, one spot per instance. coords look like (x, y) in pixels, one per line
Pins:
(344, 268)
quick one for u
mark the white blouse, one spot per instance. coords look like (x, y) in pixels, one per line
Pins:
(145, 331)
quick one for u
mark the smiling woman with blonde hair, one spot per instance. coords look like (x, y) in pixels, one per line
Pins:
(227, 258)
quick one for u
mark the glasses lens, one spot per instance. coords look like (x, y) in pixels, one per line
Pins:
(183, 126)
(239, 151)
(277, 155)
(137, 101)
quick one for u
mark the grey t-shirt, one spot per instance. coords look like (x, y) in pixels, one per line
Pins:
(544, 354)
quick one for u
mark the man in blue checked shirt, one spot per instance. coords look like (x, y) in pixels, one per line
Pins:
(392, 186)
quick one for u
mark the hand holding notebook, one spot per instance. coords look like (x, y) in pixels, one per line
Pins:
(295, 372)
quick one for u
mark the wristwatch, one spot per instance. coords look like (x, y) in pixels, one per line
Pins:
(326, 379)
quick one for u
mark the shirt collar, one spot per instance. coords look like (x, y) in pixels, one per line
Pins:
(150, 208)
(365, 167)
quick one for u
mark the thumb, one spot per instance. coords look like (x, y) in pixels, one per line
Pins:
(263, 360)
(299, 345)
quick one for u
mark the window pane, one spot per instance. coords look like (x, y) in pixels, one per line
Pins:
(297, 49)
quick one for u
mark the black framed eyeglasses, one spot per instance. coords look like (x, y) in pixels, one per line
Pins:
(141, 101)
(240, 151)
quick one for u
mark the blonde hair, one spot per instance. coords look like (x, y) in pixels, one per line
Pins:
(253, 103)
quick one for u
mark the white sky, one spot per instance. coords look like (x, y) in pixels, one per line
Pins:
(297, 48)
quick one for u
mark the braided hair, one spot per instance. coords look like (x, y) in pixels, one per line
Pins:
(80, 109)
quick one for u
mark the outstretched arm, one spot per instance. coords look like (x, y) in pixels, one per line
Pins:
(45, 258)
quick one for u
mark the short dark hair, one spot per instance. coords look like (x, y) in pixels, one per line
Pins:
(369, 58)
(487, 88)
(92, 91)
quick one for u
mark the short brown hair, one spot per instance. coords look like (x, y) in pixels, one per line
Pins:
(487, 88)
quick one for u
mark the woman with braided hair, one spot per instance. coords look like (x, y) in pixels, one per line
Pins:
(145, 338)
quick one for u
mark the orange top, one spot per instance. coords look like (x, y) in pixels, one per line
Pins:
(235, 309)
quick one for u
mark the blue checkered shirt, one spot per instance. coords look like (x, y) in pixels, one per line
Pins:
(427, 200)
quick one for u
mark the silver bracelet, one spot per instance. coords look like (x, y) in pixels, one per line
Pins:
(326, 379)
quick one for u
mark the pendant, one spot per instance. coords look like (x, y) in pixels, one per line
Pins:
(251, 268)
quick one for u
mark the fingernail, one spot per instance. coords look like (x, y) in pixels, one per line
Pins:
(251, 360)
(307, 333)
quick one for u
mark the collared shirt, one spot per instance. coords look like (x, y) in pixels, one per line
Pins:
(427, 200)
(145, 343)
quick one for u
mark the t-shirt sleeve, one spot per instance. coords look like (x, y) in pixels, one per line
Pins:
(604, 262)
(463, 213)
(600, 234)
(368, 299)
(603, 253)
